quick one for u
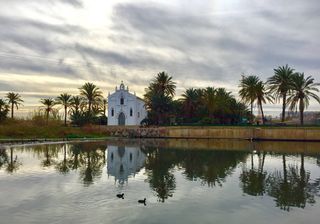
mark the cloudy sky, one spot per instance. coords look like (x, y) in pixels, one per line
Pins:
(52, 46)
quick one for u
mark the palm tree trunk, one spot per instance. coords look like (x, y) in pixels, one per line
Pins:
(65, 115)
(252, 161)
(284, 168)
(301, 108)
(251, 109)
(262, 114)
(284, 103)
(89, 107)
(47, 116)
(12, 108)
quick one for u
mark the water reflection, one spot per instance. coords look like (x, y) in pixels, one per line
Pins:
(124, 162)
(281, 176)
(11, 161)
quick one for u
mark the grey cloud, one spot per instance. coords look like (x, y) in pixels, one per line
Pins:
(239, 43)
(26, 66)
(74, 3)
(103, 55)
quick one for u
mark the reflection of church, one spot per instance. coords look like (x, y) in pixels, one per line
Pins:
(124, 162)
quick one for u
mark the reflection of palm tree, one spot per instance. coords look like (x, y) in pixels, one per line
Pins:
(3, 157)
(161, 180)
(63, 166)
(13, 164)
(254, 180)
(93, 166)
(48, 161)
(76, 153)
(293, 188)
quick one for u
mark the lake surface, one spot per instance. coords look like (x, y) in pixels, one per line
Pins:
(183, 182)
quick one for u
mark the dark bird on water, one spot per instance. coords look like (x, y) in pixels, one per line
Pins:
(142, 201)
(120, 196)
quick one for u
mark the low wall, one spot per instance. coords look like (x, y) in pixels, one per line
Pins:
(251, 133)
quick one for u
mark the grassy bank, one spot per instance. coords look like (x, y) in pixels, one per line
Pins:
(19, 129)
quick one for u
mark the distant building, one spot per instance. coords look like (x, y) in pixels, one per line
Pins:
(310, 117)
(125, 108)
(124, 162)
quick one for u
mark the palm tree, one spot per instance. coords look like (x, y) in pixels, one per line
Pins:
(104, 106)
(77, 104)
(48, 103)
(65, 100)
(4, 109)
(158, 97)
(190, 100)
(209, 95)
(2, 105)
(279, 85)
(247, 90)
(15, 100)
(302, 90)
(91, 92)
(163, 84)
(262, 96)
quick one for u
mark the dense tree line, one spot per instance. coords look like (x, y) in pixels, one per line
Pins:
(294, 89)
(213, 105)
(210, 105)
(87, 107)
(197, 106)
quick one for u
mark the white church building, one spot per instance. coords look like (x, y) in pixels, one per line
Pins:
(125, 108)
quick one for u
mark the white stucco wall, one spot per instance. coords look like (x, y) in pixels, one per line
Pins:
(130, 102)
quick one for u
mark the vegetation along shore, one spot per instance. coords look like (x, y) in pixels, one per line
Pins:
(84, 115)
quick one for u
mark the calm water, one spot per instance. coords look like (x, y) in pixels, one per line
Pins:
(183, 182)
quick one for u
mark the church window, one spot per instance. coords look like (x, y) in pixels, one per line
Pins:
(131, 112)
(138, 114)
(121, 101)
(112, 112)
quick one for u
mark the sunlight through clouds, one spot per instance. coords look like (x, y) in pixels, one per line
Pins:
(48, 47)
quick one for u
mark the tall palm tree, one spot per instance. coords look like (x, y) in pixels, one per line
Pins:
(302, 90)
(65, 100)
(163, 84)
(279, 85)
(104, 106)
(91, 92)
(209, 95)
(77, 104)
(253, 89)
(247, 90)
(48, 104)
(3, 104)
(4, 109)
(190, 100)
(15, 100)
(158, 97)
(262, 96)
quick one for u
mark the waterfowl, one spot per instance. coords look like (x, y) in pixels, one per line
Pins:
(142, 201)
(120, 196)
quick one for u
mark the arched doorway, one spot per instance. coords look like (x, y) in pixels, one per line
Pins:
(121, 119)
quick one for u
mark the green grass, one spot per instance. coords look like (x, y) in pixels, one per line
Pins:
(19, 129)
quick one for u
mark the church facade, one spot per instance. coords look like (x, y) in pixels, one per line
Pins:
(125, 108)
